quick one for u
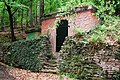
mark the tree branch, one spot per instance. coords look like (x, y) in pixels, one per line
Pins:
(8, 7)
(14, 12)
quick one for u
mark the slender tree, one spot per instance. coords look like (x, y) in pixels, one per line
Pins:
(36, 11)
(9, 10)
(27, 14)
(31, 17)
(22, 19)
(2, 19)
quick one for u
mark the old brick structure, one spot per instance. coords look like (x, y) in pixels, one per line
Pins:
(81, 17)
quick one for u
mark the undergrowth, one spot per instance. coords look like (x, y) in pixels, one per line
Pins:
(29, 54)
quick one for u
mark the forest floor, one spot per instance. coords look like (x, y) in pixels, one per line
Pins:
(6, 38)
(8, 73)
(12, 73)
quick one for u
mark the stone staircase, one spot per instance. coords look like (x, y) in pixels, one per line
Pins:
(51, 66)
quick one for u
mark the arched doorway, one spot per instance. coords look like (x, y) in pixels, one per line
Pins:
(61, 33)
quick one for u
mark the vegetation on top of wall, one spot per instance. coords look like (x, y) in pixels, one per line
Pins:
(77, 60)
(104, 7)
(77, 51)
(77, 57)
(117, 54)
(116, 75)
(29, 54)
(105, 33)
(106, 10)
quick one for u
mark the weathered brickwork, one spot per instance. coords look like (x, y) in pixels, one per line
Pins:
(46, 24)
(83, 20)
(107, 61)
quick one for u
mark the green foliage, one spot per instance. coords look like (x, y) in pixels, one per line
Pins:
(79, 32)
(97, 34)
(76, 60)
(78, 51)
(116, 75)
(117, 54)
(102, 33)
(105, 12)
(52, 6)
(70, 77)
(105, 9)
(29, 54)
(95, 38)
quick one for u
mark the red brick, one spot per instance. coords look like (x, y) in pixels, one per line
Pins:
(84, 20)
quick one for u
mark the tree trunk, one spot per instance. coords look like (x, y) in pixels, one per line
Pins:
(13, 38)
(2, 20)
(22, 20)
(50, 6)
(11, 24)
(18, 15)
(41, 11)
(36, 21)
(14, 23)
(31, 20)
(81, 1)
(27, 14)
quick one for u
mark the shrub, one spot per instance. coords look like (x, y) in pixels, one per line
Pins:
(117, 54)
(3, 48)
(29, 54)
(76, 60)
(116, 75)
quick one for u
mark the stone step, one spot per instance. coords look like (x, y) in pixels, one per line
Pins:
(49, 67)
(50, 64)
(52, 61)
(49, 71)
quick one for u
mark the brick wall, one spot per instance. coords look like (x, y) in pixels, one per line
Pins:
(83, 19)
(46, 24)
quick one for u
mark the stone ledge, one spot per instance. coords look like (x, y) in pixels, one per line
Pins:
(75, 10)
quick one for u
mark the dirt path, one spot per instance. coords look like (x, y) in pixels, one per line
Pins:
(7, 73)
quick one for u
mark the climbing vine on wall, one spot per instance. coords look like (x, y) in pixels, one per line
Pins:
(29, 54)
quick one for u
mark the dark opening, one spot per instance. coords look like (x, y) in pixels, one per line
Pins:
(61, 33)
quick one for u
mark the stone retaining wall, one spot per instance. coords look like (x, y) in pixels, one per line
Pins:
(107, 61)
